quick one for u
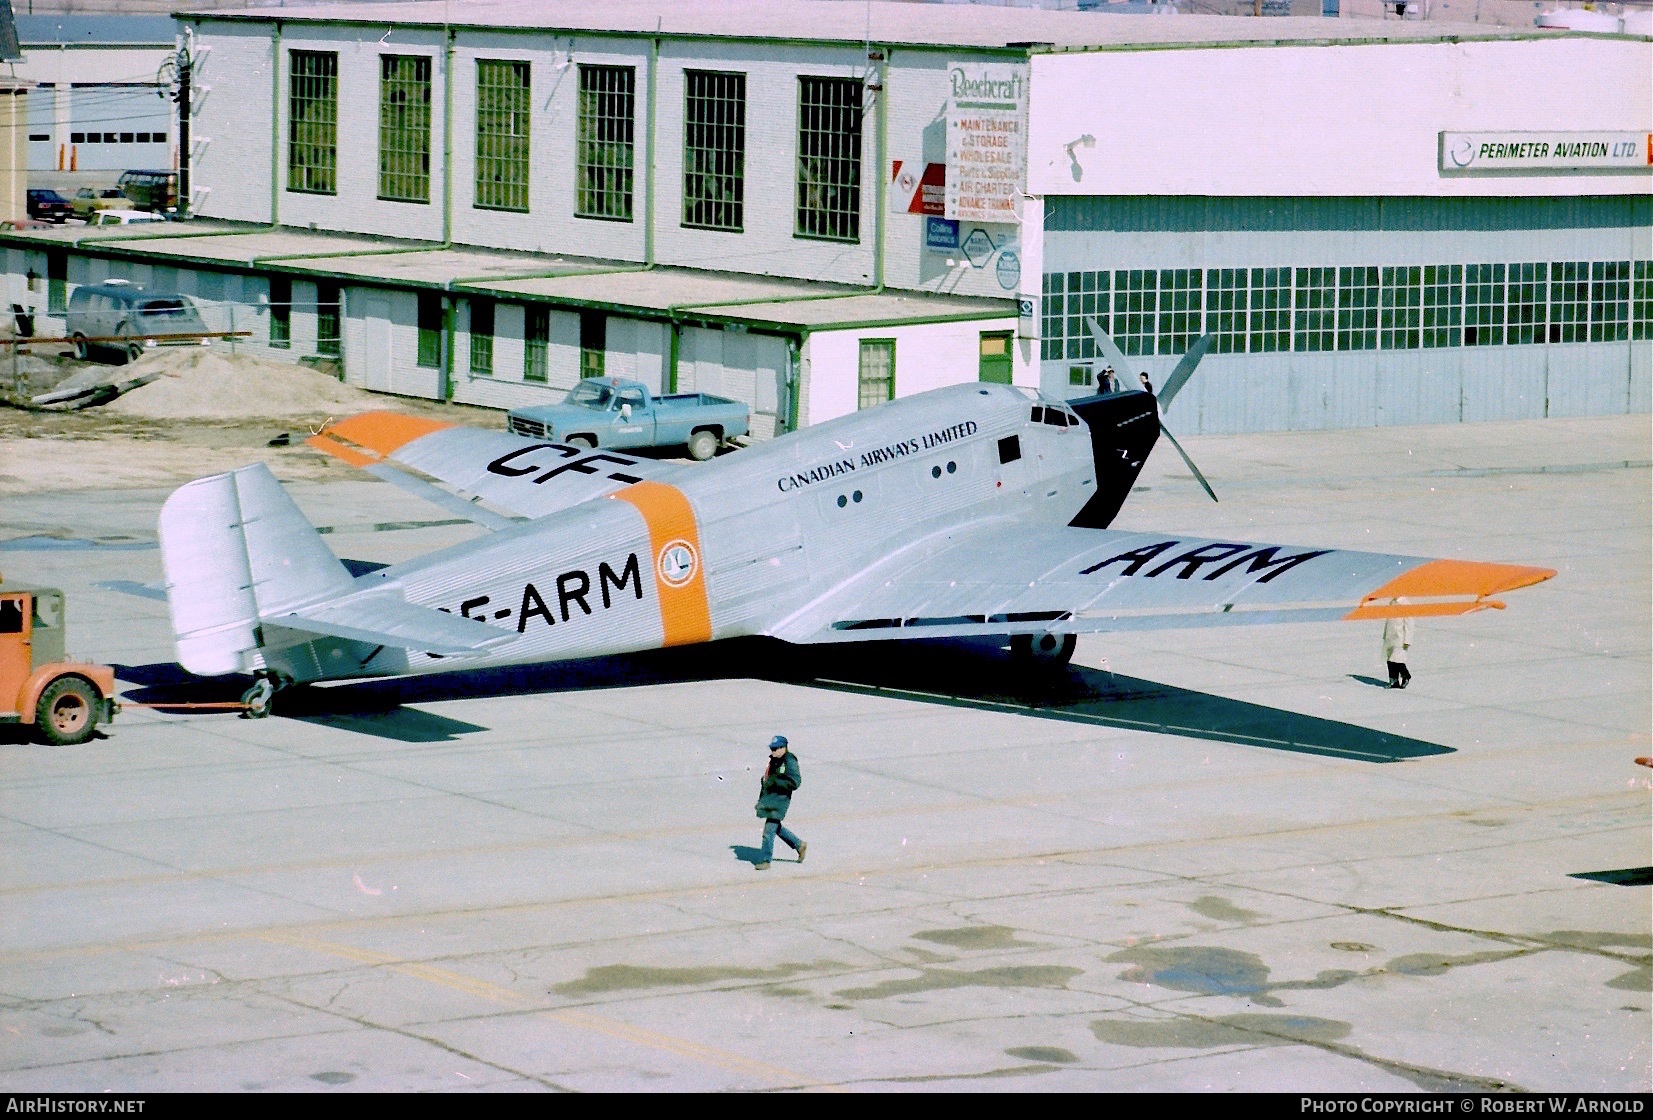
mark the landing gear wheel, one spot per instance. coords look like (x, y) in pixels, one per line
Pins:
(702, 445)
(67, 712)
(259, 698)
(1044, 651)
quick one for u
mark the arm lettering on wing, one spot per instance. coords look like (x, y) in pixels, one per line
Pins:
(1227, 555)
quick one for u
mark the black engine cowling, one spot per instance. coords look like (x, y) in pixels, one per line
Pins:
(1124, 428)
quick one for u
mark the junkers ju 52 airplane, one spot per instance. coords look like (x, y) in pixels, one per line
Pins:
(971, 510)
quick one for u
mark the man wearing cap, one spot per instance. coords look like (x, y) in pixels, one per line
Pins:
(780, 778)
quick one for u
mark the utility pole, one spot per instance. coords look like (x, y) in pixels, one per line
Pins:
(179, 71)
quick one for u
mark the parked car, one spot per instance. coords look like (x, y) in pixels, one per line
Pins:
(26, 223)
(150, 190)
(89, 200)
(122, 217)
(615, 412)
(117, 315)
(47, 205)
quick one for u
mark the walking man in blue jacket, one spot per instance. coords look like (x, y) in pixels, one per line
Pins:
(780, 778)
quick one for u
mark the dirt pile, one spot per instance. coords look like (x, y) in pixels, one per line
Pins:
(202, 384)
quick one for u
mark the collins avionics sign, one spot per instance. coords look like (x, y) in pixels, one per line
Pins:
(1545, 153)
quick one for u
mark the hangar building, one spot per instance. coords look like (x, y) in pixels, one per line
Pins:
(816, 206)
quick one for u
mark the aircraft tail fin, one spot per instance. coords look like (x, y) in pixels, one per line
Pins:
(1123, 427)
(235, 549)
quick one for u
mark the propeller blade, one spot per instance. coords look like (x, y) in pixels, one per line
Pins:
(1197, 475)
(1114, 355)
(1185, 369)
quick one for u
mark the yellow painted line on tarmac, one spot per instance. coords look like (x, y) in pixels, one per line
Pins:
(583, 1020)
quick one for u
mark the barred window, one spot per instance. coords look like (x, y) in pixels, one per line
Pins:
(504, 114)
(327, 318)
(313, 122)
(1225, 308)
(1610, 301)
(1398, 323)
(1443, 304)
(1529, 302)
(1641, 309)
(1080, 376)
(877, 375)
(536, 333)
(1051, 317)
(1135, 303)
(1270, 316)
(606, 146)
(714, 150)
(1181, 295)
(829, 158)
(281, 312)
(1484, 305)
(1357, 308)
(1087, 299)
(1314, 317)
(430, 330)
(1569, 301)
(482, 337)
(404, 127)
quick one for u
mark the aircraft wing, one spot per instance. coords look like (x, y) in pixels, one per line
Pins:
(1003, 577)
(490, 477)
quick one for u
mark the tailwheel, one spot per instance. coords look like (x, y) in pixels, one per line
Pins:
(1044, 651)
(260, 698)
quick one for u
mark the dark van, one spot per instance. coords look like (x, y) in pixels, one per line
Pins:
(118, 315)
(150, 190)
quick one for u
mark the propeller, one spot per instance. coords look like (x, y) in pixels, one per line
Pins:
(1173, 384)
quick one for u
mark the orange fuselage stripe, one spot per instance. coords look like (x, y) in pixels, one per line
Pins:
(685, 614)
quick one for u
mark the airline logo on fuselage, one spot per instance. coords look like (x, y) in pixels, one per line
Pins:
(876, 457)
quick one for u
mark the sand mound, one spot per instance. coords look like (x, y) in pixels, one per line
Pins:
(201, 384)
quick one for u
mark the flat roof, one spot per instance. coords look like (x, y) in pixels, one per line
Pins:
(620, 286)
(841, 21)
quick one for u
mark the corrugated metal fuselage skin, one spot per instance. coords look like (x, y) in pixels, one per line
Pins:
(778, 525)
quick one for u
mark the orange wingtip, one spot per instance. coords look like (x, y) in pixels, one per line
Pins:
(1463, 585)
(342, 451)
(381, 433)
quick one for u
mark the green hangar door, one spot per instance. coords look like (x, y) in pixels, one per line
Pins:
(995, 357)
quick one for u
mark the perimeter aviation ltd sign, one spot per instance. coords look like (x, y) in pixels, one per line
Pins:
(1545, 153)
(986, 141)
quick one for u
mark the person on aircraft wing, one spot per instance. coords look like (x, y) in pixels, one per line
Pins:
(1397, 640)
(780, 778)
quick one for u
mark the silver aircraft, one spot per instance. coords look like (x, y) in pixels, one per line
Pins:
(973, 510)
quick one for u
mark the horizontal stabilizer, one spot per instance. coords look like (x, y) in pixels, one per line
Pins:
(389, 621)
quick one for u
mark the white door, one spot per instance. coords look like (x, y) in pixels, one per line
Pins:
(376, 336)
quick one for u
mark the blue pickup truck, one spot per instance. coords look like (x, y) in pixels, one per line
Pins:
(617, 413)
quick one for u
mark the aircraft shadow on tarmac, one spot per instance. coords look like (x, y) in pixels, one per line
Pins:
(955, 673)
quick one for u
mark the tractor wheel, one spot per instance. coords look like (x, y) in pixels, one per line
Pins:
(67, 712)
(702, 445)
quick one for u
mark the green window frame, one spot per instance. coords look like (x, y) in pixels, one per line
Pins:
(1051, 316)
(57, 281)
(605, 148)
(313, 122)
(1641, 302)
(1088, 297)
(1357, 307)
(1569, 301)
(536, 339)
(1528, 314)
(829, 159)
(1314, 309)
(404, 127)
(1400, 312)
(875, 379)
(1443, 305)
(430, 330)
(1484, 304)
(281, 312)
(1181, 303)
(714, 150)
(1268, 327)
(1227, 308)
(1135, 310)
(593, 343)
(1609, 301)
(329, 320)
(482, 337)
(504, 122)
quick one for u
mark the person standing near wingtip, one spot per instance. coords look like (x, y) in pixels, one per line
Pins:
(780, 779)
(1397, 640)
(1147, 386)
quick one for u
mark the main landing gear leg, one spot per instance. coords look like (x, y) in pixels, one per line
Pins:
(260, 698)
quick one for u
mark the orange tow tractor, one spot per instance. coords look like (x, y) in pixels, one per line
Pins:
(64, 700)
